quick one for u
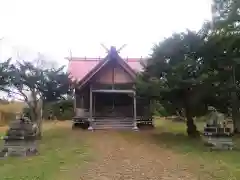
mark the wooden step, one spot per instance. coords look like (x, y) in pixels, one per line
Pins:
(104, 122)
(113, 123)
(112, 127)
(113, 120)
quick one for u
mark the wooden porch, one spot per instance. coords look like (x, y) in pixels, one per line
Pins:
(113, 107)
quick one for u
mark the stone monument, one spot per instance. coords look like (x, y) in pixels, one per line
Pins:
(20, 139)
(216, 132)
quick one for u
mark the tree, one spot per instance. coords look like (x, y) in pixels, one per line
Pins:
(177, 66)
(222, 52)
(4, 75)
(225, 39)
(226, 15)
(56, 85)
(37, 85)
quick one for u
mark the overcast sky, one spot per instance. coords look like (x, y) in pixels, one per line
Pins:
(53, 27)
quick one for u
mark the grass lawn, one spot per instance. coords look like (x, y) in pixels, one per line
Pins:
(62, 152)
(219, 164)
(2, 133)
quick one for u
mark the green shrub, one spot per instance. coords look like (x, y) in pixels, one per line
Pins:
(66, 115)
(54, 108)
(158, 109)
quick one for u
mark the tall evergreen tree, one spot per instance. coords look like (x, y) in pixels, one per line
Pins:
(226, 40)
(176, 66)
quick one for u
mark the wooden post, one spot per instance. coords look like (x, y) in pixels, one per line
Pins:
(82, 102)
(113, 76)
(90, 109)
(90, 102)
(74, 102)
(94, 104)
(134, 112)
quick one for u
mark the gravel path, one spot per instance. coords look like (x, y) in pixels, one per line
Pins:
(121, 157)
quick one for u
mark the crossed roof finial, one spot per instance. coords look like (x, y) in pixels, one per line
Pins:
(113, 48)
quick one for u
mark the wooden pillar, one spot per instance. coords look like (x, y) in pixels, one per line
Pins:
(82, 102)
(134, 112)
(74, 101)
(94, 105)
(90, 109)
(90, 103)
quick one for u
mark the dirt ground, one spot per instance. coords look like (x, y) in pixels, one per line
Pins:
(120, 157)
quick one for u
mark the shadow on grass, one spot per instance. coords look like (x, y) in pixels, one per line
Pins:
(179, 142)
(183, 143)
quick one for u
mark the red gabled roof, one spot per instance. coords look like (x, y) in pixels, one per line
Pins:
(78, 67)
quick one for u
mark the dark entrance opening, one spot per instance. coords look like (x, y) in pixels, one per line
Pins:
(112, 105)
